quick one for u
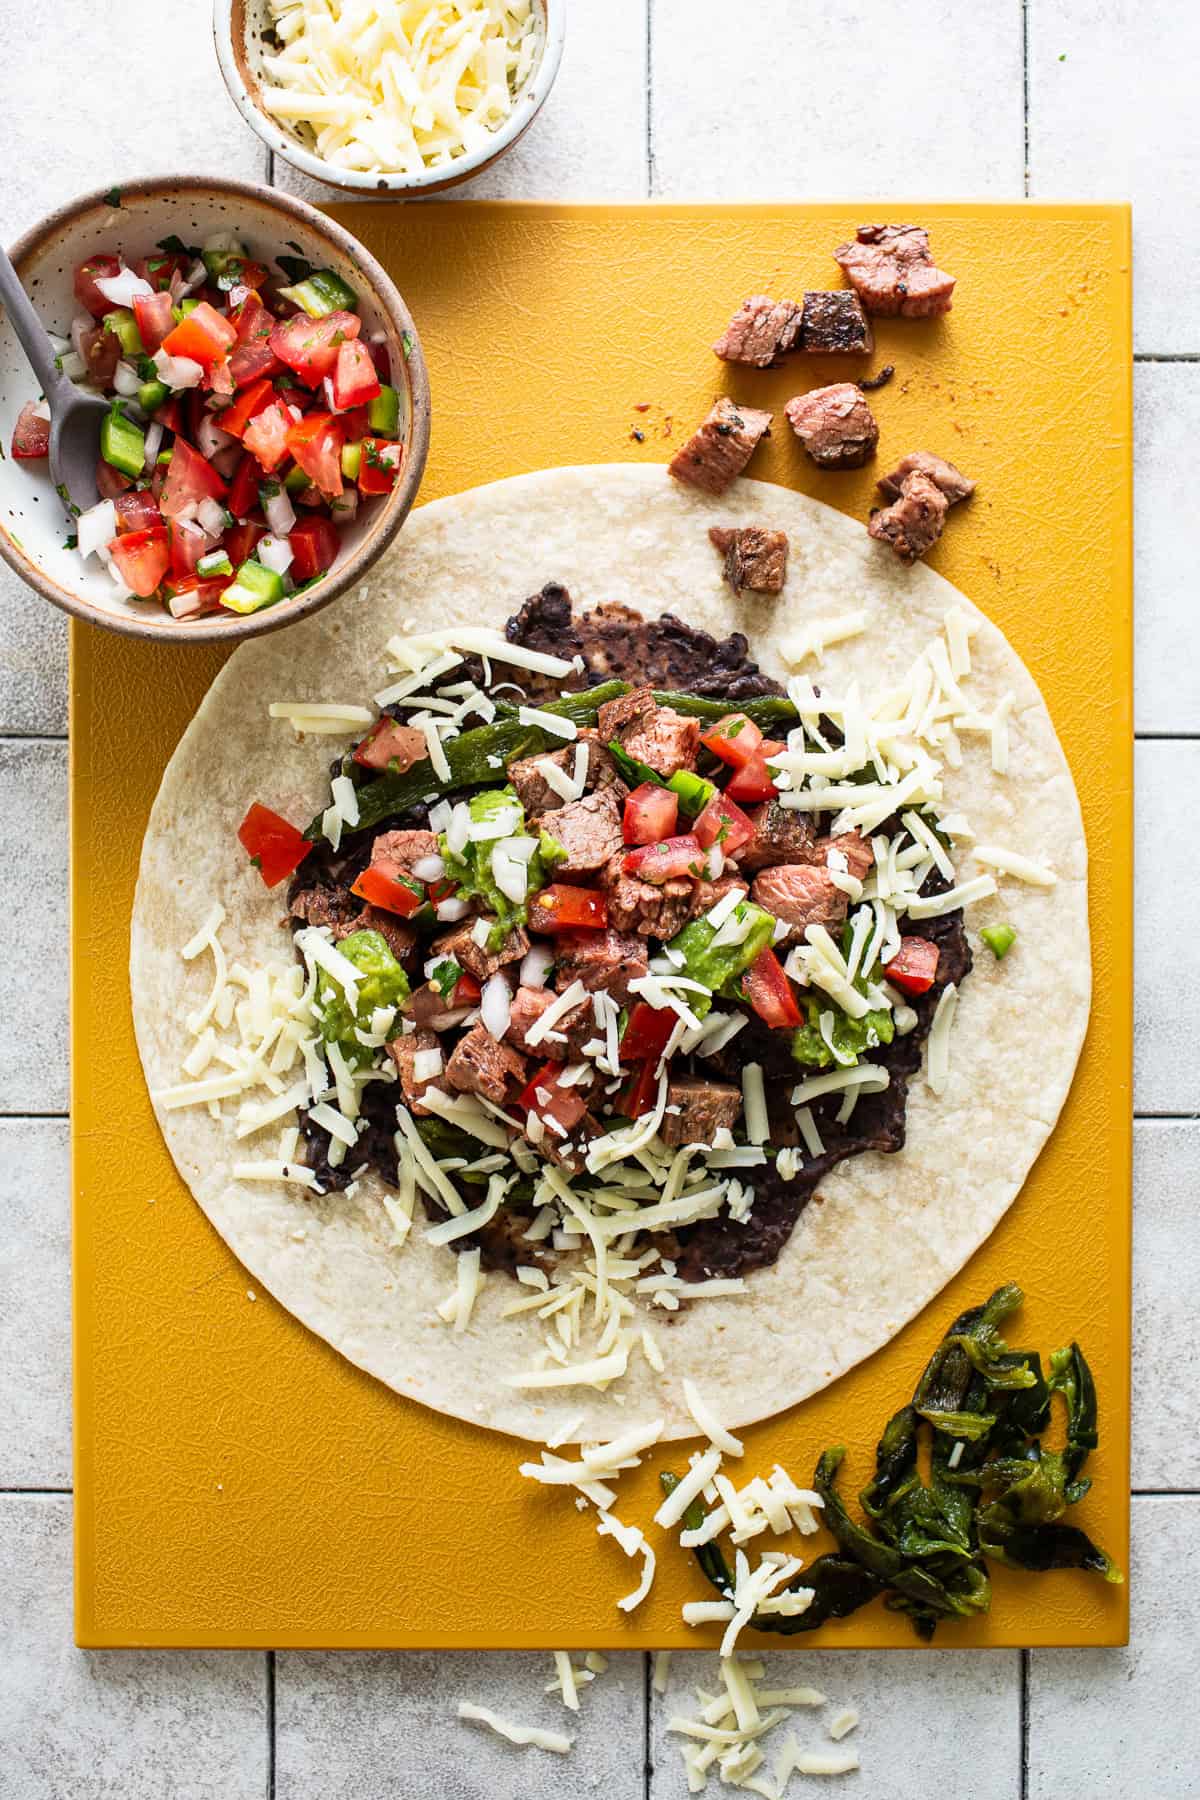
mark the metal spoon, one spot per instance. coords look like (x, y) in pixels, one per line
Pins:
(75, 414)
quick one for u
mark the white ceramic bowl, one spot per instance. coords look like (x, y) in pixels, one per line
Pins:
(240, 28)
(33, 525)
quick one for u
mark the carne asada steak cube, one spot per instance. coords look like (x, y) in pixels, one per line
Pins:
(648, 909)
(853, 846)
(528, 775)
(720, 448)
(705, 1107)
(626, 713)
(801, 894)
(781, 835)
(913, 523)
(336, 907)
(398, 851)
(573, 1030)
(589, 830)
(400, 939)
(429, 1009)
(600, 959)
(666, 742)
(459, 942)
(706, 894)
(403, 1052)
(835, 425)
(953, 483)
(760, 331)
(755, 558)
(479, 1065)
(835, 324)
(892, 270)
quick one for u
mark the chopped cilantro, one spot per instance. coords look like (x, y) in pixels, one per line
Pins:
(296, 268)
(113, 197)
(407, 342)
(71, 543)
(175, 246)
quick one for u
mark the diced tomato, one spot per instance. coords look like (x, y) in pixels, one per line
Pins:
(101, 351)
(186, 547)
(110, 481)
(770, 992)
(219, 379)
(142, 558)
(383, 887)
(381, 357)
(252, 356)
(250, 275)
(441, 890)
(316, 443)
(273, 845)
(241, 542)
(355, 424)
(266, 435)
(914, 966)
(651, 814)
(315, 545)
(310, 346)
(545, 1097)
(667, 860)
(153, 315)
(753, 780)
(136, 511)
(723, 823)
(388, 744)
(189, 480)
(204, 336)
(159, 269)
(190, 596)
(562, 908)
(379, 465)
(250, 402)
(734, 739)
(243, 489)
(647, 1033)
(354, 378)
(86, 291)
(640, 1094)
(467, 991)
(170, 414)
(31, 435)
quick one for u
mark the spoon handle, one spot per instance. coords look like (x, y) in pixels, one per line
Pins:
(29, 328)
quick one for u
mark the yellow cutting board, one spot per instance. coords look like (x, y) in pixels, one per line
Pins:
(238, 1483)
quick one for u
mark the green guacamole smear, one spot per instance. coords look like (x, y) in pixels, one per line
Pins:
(383, 983)
(500, 811)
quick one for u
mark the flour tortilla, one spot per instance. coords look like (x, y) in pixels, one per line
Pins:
(889, 1231)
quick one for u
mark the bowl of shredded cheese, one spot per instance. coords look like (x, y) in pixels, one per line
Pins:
(391, 96)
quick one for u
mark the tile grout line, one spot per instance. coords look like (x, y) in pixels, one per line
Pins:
(1024, 1720)
(647, 1702)
(270, 1725)
(1025, 89)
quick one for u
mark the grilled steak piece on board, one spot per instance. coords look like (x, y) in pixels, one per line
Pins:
(892, 270)
(615, 640)
(721, 446)
(479, 1065)
(835, 425)
(781, 835)
(704, 1108)
(801, 894)
(534, 792)
(912, 524)
(761, 331)
(589, 830)
(600, 959)
(836, 325)
(953, 483)
(755, 557)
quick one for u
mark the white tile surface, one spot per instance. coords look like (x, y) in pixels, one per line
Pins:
(589, 140)
(92, 94)
(1166, 424)
(1166, 1072)
(33, 889)
(33, 660)
(363, 1726)
(35, 1326)
(846, 98)
(123, 1725)
(1111, 1724)
(1112, 116)
(1166, 1277)
(905, 1745)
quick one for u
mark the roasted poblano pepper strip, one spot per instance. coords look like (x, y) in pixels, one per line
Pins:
(1071, 1377)
(468, 756)
(710, 1556)
(772, 713)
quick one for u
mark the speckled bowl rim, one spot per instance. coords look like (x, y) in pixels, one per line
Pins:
(390, 517)
(231, 57)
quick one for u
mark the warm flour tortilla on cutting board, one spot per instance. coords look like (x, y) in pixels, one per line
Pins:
(889, 1231)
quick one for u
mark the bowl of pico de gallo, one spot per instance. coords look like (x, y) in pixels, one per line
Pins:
(268, 410)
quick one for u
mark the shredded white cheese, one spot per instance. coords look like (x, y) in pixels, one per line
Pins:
(516, 1734)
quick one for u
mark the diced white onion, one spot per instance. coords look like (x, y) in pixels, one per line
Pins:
(96, 527)
(126, 380)
(279, 512)
(274, 553)
(536, 966)
(210, 512)
(123, 289)
(154, 438)
(495, 1005)
(178, 372)
(209, 436)
(429, 868)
